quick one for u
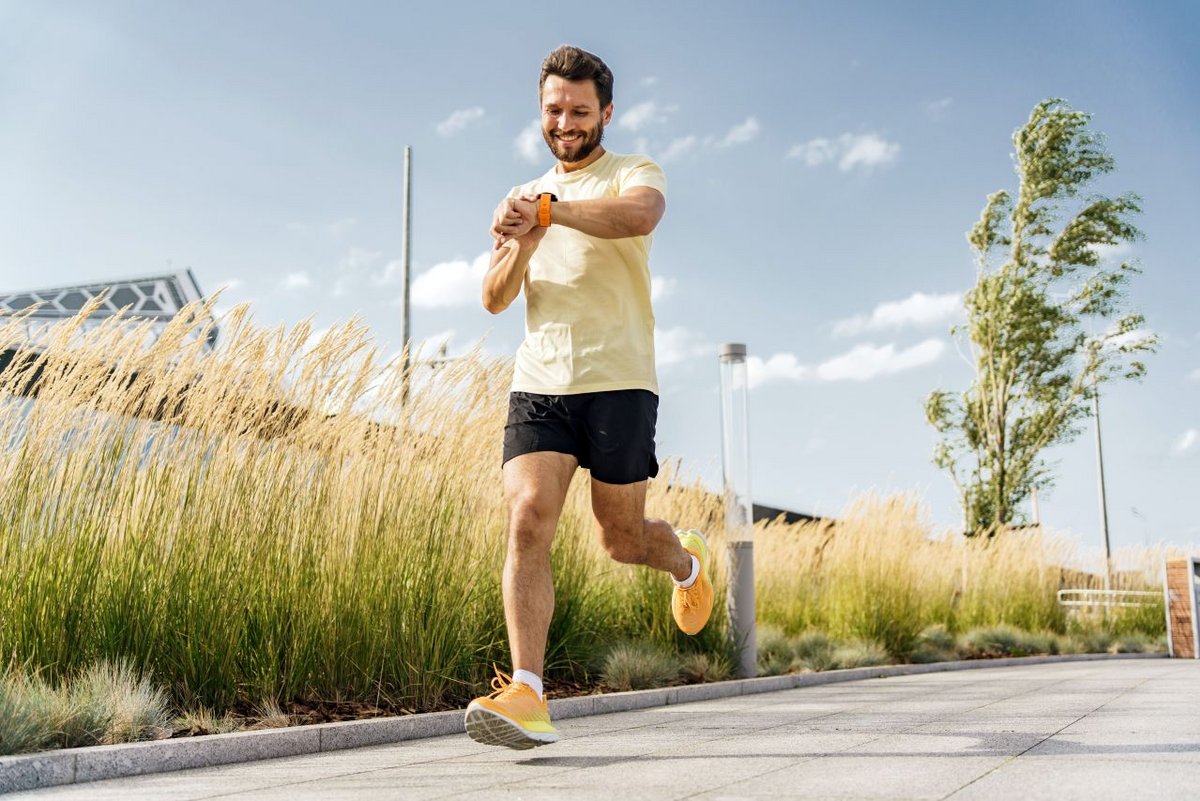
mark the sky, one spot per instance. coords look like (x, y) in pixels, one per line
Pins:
(824, 162)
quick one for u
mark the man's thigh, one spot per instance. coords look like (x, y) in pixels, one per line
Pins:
(619, 507)
(536, 484)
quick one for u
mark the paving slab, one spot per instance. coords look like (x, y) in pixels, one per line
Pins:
(1095, 730)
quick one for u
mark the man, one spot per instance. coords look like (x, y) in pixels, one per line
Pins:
(584, 392)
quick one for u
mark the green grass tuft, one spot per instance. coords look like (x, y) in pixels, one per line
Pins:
(860, 653)
(639, 666)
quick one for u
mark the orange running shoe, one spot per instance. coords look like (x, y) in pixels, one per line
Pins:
(512, 716)
(693, 606)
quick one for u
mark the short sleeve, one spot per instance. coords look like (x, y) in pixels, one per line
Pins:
(642, 171)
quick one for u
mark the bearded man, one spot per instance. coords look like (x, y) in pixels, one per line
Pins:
(584, 393)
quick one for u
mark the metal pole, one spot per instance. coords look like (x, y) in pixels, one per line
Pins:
(405, 249)
(1103, 499)
(739, 509)
(1033, 502)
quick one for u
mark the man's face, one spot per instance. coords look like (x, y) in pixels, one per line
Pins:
(572, 120)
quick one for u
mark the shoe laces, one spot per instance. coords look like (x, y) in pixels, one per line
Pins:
(688, 598)
(503, 686)
(524, 700)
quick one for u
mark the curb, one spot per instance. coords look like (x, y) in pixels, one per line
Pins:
(70, 766)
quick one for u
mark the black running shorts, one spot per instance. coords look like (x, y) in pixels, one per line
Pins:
(610, 433)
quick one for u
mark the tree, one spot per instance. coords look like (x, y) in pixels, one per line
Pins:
(1046, 319)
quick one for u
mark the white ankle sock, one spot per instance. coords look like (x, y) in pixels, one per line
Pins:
(532, 679)
(690, 580)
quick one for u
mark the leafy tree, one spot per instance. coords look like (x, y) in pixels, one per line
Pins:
(1046, 323)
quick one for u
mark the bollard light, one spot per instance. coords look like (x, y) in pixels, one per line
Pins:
(739, 508)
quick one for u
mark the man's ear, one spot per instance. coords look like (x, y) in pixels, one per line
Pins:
(608, 112)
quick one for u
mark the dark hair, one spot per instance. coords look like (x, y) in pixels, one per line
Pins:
(572, 64)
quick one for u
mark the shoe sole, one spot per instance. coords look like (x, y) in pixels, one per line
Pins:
(491, 728)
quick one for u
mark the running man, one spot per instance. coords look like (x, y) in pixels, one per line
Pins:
(584, 393)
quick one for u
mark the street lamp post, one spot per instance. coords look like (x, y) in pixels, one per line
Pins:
(739, 509)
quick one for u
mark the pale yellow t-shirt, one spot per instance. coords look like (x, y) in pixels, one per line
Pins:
(589, 326)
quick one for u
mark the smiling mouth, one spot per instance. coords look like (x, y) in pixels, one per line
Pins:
(569, 138)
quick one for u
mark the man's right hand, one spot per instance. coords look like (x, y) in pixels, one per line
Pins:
(514, 217)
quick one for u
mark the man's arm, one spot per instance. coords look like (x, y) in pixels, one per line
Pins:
(506, 273)
(635, 213)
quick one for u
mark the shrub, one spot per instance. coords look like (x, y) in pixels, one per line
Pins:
(860, 653)
(774, 650)
(934, 644)
(1092, 642)
(812, 651)
(639, 666)
(698, 667)
(1132, 643)
(24, 716)
(991, 641)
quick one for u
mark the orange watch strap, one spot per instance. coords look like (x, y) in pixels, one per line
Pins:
(544, 210)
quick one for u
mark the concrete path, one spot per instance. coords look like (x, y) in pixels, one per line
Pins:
(1091, 730)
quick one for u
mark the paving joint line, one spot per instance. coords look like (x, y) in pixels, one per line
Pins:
(1048, 737)
(815, 757)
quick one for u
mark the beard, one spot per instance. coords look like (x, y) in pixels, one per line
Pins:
(583, 147)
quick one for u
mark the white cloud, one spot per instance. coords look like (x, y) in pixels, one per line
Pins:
(230, 284)
(679, 344)
(339, 227)
(864, 362)
(867, 151)
(390, 273)
(678, 147)
(356, 259)
(450, 283)
(814, 152)
(936, 108)
(642, 115)
(296, 280)
(1188, 441)
(661, 286)
(918, 309)
(779, 367)
(861, 363)
(851, 151)
(459, 120)
(1110, 254)
(740, 134)
(351, 267)
(1129, 338)
(650, 80)
(529, 143)
(1194, 375)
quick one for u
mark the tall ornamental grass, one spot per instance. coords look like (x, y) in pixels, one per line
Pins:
(273, 520)
(883, 573)
(290, 517)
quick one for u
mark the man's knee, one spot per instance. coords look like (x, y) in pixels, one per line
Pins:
(531, 522)
(622, 542)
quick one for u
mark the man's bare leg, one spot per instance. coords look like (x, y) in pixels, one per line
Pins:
(535, 485)
(629, 536)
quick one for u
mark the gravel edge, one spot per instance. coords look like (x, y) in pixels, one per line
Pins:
(70, 766)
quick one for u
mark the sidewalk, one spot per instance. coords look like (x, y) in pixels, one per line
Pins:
(1088, 730)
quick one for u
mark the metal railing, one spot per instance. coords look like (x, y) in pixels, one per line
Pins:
(1080, 599)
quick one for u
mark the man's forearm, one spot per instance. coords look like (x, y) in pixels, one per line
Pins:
(506, 273)
(607, 218)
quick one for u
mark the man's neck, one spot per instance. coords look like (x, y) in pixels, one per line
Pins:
(572, 166)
